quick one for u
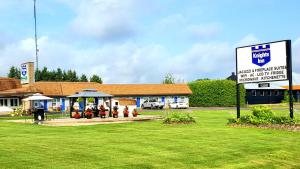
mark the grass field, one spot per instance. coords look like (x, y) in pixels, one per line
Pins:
(207, 144)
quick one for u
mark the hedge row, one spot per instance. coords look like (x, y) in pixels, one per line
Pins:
(215, 93)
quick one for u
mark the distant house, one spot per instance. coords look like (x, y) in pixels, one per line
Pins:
(232, 77)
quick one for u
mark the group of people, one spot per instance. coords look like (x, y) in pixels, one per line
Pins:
(102, 112)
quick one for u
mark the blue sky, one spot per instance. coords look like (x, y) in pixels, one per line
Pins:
(139, 41)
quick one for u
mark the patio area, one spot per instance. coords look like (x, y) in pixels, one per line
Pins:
(93, 121)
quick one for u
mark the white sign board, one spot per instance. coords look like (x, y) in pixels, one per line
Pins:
(262, 63)
(24, 73)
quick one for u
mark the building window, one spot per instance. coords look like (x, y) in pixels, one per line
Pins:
(268, 93)
(253, 92)
(1, 102)
(275, 93)
(261, 93)
(5, 102)
(11, 102)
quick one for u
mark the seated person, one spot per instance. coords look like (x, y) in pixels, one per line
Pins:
(102, 112)
(134, 113)
(125, 111)
(115, 112)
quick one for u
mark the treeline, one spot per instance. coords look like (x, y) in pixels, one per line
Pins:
(55, 75)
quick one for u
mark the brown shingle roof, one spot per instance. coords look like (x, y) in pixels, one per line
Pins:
(9, 83)
(69, 88)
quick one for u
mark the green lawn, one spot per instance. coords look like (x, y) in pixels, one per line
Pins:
(207, 144)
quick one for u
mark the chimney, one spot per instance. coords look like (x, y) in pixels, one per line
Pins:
(27, 73)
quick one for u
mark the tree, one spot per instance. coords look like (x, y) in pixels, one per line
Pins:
(169, 79)
(59, 75)
(14, 72)
(286, 98)
(44, 74)
(96, 78)
(83, 78)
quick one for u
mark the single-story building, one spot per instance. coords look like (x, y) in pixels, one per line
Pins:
(11, 95)
(264, 95)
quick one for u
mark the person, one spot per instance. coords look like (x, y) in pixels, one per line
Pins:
(134, 113)
(115, 112)
(125, 111)
(77, 115)
(102, 111)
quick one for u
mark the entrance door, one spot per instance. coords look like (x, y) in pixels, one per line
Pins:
(45, 105)
(138, 102)
(63, 104)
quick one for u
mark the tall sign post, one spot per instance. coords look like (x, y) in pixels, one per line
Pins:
(265, 62)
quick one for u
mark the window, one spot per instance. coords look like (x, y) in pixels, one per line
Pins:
(11, 102)
(268, 93)
(261, 93)
(253, 92)
(16, 102)
(5, 102)
(1, 102)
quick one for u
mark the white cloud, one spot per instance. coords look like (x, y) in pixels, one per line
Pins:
(296, 55)
(248, 40)
(203, 31)
(127, 62)
(105, 20)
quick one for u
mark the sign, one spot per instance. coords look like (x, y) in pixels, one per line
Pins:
(24, 73)
(262, 85)
(262, 63)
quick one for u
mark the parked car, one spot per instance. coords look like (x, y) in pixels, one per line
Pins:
(179, 105)
(153, 104)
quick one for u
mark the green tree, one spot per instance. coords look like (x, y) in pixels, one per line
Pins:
(83, 78)
(96, 78)
(59, 75)
(287, 97)
(44, 74)
(14, 72)
(169, 79)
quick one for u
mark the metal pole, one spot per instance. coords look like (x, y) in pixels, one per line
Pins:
(238, 105)
(290, 76)
(110, 106)
(238, 108)
(35, 36)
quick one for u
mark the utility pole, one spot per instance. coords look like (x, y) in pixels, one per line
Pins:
(35, 36)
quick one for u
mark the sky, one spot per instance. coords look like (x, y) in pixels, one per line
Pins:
(140, 41)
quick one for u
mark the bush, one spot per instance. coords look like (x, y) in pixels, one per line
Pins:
(262, 115)
(262, 112)
(177, 118)
(215, 93)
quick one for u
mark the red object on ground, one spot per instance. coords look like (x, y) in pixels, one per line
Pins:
(77, 116)
(135, 113)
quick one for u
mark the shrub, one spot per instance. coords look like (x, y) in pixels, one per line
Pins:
(262, 115)
(215, 93)
(262, 112)
(177, 118)
(18, 112)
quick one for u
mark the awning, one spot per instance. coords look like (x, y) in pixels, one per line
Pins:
(37, 96)
(90, 93)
